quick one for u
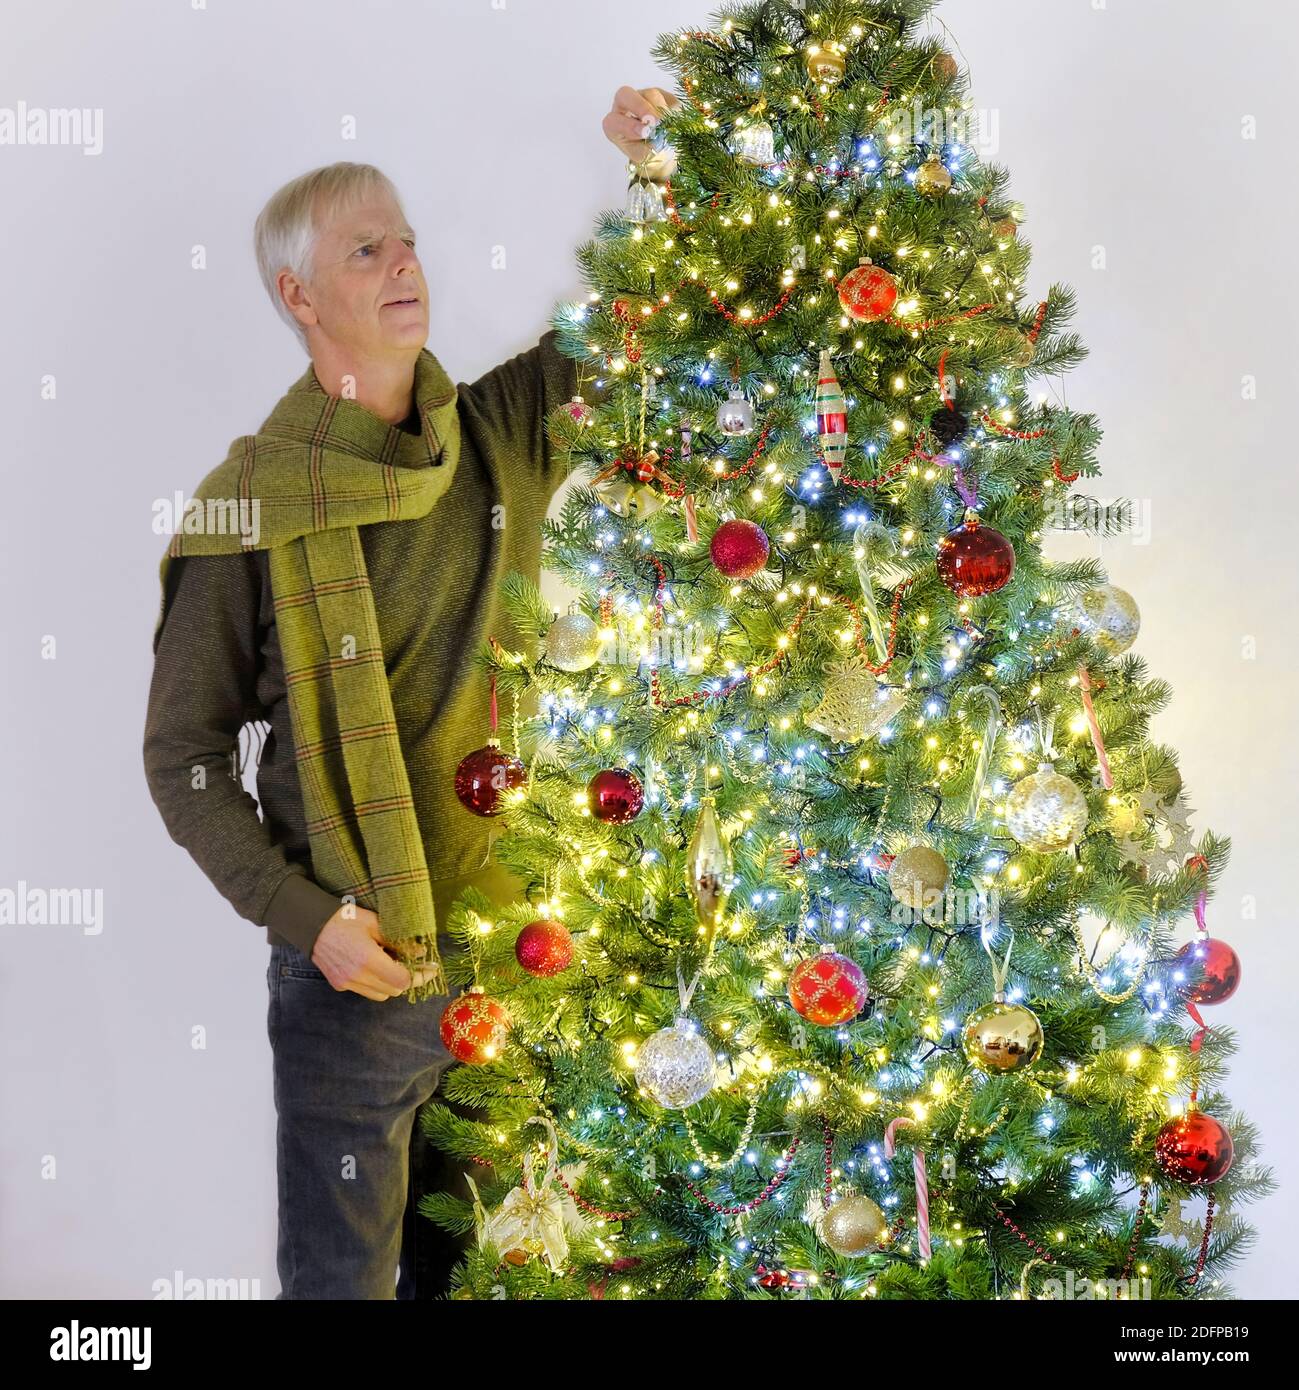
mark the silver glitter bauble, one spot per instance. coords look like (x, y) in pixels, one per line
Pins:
(676, 1066)
(853, 1226)
(755, 143)
(855, 704)
(573, 642)
(1109, 616)
(1002, 1037)
(1046, 812)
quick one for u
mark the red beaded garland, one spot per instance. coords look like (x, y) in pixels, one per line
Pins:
(828, 989)
(485, 775)
(868, 293)
(615, 796)
(1207, 971)
(739, 548)
(1194, 1148)
(974, 559)
(544, 948)
(474, 1027)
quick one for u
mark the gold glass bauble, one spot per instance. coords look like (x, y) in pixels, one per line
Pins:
(1001, 1038)
(853, 1226)
(917, 875)
(933, 178)
(1046, 812)
(825, 64)
(709, 874)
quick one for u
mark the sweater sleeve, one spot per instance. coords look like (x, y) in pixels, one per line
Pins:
(513, 400)
(202, 692)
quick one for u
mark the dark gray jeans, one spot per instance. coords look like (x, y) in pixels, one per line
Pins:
(352, 1161)
(350, 1074)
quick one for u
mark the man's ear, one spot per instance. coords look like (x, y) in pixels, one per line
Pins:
(297, 298)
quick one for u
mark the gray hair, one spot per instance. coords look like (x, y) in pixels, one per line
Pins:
(286, 230)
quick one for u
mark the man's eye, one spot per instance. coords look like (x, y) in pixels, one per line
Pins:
(359, 249)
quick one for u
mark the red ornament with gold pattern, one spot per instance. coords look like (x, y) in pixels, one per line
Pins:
(828, 989)
(868, 293)
(474, 1028)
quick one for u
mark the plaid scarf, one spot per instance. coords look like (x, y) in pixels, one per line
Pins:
(317, 469)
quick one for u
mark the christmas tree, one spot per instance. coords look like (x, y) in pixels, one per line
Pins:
(865, 944)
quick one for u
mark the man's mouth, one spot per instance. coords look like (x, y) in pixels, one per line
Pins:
(412, 299)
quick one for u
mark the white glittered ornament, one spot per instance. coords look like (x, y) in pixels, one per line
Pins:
(676, 1066)
(1046, 812)
(1109, 616)
(573, 642)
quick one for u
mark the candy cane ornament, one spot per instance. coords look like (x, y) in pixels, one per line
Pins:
(922, 1184)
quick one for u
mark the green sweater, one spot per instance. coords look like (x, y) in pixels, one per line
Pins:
(436, 582)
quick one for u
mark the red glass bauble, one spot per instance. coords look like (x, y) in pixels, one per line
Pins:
(1206, 971)
(485, 775)
(615, 796)
(1194, 1148)
(974, 559)
(544, 948)
(739, 549)
(474, 1027)
(828, 989)
(868, 293)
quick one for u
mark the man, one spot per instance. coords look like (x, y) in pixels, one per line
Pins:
(388, 505)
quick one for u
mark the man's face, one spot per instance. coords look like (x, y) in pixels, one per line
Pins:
(366, 291)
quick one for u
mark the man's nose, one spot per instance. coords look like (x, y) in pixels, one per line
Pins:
(403, 256)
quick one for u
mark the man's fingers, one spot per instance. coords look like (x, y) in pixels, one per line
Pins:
(659, 99)
(627, 101)
(627, 133)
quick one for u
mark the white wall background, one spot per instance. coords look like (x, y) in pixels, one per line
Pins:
(1122, 125)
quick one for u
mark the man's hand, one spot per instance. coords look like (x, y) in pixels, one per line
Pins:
(632, 118)
(350, 953)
